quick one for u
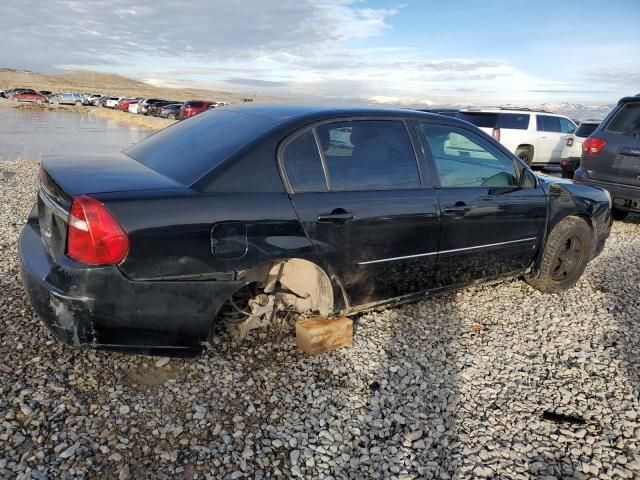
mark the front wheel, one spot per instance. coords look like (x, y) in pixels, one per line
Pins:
(618, 214)
(565, 256)
(171, 116)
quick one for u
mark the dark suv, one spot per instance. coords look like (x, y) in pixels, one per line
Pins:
(611, 157)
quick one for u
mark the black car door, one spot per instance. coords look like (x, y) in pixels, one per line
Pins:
(491, 225)
(357, 188)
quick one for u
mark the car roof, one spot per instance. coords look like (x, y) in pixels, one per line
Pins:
(281, 113)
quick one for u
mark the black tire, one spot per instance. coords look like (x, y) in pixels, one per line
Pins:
(171, 116)
(618, 214)
(565, 256)
(78, 103)
(525, 154)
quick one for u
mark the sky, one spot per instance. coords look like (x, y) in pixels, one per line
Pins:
(414, 52)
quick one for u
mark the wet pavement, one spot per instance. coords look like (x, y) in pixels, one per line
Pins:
(33, 133)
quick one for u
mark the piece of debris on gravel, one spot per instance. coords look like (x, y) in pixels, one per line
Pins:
(550, 388)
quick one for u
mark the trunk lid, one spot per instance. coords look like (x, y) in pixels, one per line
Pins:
(63, 177)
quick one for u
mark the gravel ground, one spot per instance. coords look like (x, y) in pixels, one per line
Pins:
(454, 387)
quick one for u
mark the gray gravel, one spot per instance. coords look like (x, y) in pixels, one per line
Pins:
(454, 387)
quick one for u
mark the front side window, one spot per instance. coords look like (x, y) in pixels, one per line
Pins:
(303, 165)
(547, 123)
(368, 155)
(627, 120)
(566, 125)
(464, 159)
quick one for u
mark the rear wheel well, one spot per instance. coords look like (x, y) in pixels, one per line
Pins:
(283, 285)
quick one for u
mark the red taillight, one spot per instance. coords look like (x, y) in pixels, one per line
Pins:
(593, 145)
(570, 142)
(94, 237)
(496, 134)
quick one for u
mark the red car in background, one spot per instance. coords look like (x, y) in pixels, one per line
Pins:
(194, 107)
(28, 96)
(125, 102)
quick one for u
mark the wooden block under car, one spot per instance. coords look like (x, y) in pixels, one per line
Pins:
(319, 334)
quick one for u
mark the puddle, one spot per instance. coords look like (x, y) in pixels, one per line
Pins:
(33, 134)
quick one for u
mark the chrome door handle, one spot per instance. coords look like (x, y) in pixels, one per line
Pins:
(458, 210)
(336, 218)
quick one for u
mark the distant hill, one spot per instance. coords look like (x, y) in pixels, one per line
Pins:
(112, 84)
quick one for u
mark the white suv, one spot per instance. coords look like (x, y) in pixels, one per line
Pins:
(535, 136)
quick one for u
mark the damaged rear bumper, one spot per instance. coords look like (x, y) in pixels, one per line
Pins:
(101, 308)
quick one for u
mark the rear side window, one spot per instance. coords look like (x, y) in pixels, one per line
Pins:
(303, 164)
(368, 155)
(465, 160)
(627, 120)
(194, 104)
(514, 121)
(482, 120)
(547, 123)
(187, 150)
(586, 129)
(566, 125)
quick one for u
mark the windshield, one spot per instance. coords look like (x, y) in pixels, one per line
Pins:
(187, 150)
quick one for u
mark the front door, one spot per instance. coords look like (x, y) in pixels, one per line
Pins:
(357, 188)
(491, 226)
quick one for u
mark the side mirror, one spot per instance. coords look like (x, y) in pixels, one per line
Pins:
(528, 179)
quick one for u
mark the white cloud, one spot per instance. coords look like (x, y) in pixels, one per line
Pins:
(278, 47)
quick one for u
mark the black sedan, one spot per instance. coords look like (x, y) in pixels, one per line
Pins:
(249, 212)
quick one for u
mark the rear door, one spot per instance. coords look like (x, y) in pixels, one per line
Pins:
(359, 189)
(549, 149)
(619, 160)
(490, 224)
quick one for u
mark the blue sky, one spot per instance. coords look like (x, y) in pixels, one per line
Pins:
(413, 52)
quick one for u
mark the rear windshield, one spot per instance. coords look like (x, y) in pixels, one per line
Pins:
(187, 150)
(193, 104)
(585, 129)
(627, 120)
(515, 121)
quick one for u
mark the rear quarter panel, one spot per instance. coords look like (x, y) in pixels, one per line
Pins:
(170, 233)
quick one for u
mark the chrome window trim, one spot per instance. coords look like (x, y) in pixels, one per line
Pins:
(489, 245)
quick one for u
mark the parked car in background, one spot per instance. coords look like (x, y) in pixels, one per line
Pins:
(143, 109)
(154, 108)
(572, 151)
(194, 107)
(611, 157)
(151, 248)
(68, 99)
(93, 98)
(112, 102)
(28, 96)
(123, 104)
(171, 111)
(536, 137)
(7, 93)
(100, 102)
